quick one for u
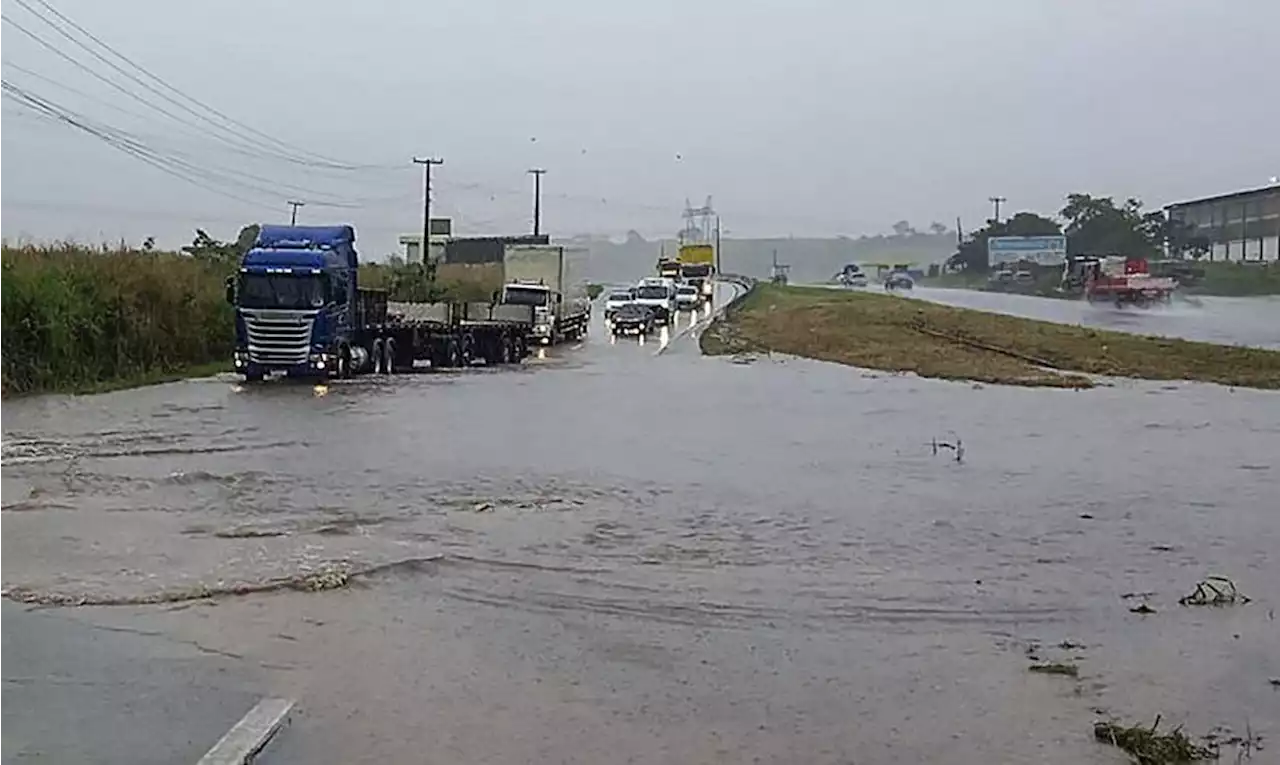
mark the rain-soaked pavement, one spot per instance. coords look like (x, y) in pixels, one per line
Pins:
(1253, 321)
(616, 556)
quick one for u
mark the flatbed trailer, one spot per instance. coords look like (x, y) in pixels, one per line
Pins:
(446, 335)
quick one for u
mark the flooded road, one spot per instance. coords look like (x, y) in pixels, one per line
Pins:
(1253, 321)
(616, 556)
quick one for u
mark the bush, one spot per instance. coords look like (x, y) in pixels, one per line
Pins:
(75, 317)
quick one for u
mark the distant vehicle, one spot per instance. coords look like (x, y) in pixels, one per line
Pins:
(669, 267)
(898, 280)
(658, 294)
(616, 300)
(1118, 279)
(688, 297)
(851, 276)
(634, 319)
(698, 275)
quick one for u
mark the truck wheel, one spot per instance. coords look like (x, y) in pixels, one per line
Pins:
(344, 363)
(253, 377)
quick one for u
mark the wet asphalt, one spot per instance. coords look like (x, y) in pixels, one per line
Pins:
(1253, 321)
(77, 691)
(614, 555)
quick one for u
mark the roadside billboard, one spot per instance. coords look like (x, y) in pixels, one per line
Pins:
(1041, 250)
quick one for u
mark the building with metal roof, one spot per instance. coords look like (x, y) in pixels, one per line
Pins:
(1242, 225)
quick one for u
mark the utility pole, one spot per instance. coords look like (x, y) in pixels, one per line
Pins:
(293, 215)
(426, 163)
(997, 202)
(537, 174)
(717, 245)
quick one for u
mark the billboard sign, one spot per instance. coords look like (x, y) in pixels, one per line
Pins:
(1041, 250)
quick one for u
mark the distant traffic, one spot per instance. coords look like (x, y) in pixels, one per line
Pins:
(683, 283)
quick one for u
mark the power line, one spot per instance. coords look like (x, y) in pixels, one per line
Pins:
(256, 146)
(152, 76)
(39, 106)
(232, 177)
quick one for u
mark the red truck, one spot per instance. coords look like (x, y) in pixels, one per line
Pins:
(1117, 279)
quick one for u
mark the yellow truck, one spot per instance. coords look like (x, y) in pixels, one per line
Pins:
(697, 265)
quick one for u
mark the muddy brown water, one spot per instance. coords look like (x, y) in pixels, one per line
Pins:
(623, 557)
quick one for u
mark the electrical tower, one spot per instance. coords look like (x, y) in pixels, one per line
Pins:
(699, 223)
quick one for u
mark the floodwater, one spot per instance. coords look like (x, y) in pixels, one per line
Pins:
(617, 556)
(1253, 321)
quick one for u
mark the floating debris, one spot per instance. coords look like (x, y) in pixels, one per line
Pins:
(1215, 591)
(956, 447)
(1055, 668)
(1142, 608)
(1148, 747)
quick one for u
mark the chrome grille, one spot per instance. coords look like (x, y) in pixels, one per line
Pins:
(278, 336)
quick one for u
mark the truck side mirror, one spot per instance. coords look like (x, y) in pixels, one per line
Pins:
(230, 287)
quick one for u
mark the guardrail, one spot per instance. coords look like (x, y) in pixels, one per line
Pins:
(748, 285)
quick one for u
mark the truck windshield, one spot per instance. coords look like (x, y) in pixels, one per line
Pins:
(652, 292)
(281, 291)
(525, 296)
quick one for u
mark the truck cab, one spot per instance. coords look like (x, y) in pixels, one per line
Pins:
(295, 299)
(698, 275)
(543, 300)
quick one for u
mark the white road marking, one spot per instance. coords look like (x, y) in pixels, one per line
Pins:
(247, 737)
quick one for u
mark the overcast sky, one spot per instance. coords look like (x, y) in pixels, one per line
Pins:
(804, 117)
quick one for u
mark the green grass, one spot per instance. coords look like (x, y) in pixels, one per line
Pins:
(79, 319)
(898, 334)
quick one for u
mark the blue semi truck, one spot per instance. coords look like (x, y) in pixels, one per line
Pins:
(300, 311)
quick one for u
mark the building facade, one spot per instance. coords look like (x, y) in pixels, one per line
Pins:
(1244, 225)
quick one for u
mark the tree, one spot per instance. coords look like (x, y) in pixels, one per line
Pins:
(1097, 226)
(937, 229)
(972, 253)
(205, 247)
(903, 228)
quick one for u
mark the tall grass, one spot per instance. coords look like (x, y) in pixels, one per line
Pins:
(75, 317)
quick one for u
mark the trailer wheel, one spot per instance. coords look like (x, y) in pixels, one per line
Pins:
(389, 356)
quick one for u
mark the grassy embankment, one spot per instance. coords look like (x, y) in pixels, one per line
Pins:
(903, 335)
(81, 319)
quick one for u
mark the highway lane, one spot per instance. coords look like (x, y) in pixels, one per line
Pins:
(1253, 322)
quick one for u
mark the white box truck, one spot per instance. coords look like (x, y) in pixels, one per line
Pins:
(548, 277)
